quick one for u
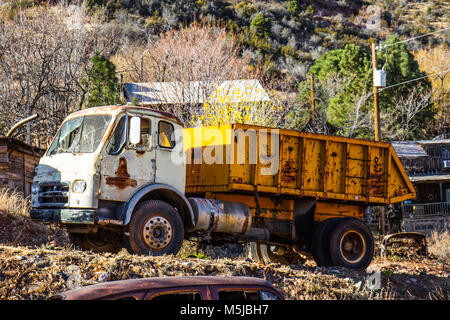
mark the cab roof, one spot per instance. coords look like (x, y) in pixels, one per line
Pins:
(120, 108)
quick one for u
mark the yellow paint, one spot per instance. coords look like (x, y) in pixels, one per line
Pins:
(328, 168)
(326, 210)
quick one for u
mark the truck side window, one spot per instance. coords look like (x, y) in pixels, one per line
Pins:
(166, 134)
(118, 137)
(146, 140)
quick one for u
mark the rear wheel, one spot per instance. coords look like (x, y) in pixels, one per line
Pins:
(320, 245)
(102, 241)
(266, 254)
(155, 229)
(351, 244)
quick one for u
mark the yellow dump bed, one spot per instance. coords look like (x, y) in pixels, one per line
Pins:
(307, 165)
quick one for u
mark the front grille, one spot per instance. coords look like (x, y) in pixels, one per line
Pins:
(54, 193)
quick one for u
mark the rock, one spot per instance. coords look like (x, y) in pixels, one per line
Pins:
(359, 285)
(104, 277)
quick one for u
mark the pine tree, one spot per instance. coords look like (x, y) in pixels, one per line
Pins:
(101, 82)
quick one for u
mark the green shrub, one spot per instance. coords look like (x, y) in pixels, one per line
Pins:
(293, 7)
(260, 26)
(289, 51)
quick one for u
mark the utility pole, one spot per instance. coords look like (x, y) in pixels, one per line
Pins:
(312, 98)
(376, 111)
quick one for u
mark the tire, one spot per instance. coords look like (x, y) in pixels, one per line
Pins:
(351, 244)
(155, 229)
(266, 254)
(320, 245)
(103, 241)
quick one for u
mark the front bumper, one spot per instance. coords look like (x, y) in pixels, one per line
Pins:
(64, 215)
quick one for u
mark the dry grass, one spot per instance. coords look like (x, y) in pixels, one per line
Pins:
(16, 228)
(13, 202)
(40, 272)
(439, 245)
(35, 259)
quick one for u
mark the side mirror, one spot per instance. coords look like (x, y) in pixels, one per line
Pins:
(135, 130)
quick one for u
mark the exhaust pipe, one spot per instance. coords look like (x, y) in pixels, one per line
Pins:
(18, 124)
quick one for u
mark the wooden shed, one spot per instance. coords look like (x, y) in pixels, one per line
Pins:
(17, 163)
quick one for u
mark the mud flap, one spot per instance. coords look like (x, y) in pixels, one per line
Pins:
(303, 220)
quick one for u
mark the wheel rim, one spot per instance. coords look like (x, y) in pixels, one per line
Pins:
(352, 246)
(157, 232)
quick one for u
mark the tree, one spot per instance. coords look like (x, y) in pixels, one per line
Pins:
(101, 82)
(436, 60)
(260, 26)
(401, 67)
(352, 66)
(400, 121)
(179, 57)
(44, 55)
(234, 106)
(293, 6)
(350, 109)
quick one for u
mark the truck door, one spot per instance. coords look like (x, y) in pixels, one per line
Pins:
(124, 167)
(168, 171)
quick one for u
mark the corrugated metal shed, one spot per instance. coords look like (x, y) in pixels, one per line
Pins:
(196, 92)
(409, 149)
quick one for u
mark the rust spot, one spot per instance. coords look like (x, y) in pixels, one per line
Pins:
(122, 178)
(140, 153)
(246, 222)
(288, 172)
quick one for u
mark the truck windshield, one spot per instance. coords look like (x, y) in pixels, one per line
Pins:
(80, 135)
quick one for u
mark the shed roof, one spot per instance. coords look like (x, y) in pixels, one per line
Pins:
(409, 149)
(196, 92)
(415, 149)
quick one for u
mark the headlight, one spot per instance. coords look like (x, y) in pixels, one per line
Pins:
(79, 186)
(35, 188)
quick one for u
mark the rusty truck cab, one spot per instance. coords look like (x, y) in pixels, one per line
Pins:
(90, 173)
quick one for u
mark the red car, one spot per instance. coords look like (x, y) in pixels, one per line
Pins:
(177, 288)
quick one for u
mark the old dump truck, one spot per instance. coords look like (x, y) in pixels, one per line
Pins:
(125, 176)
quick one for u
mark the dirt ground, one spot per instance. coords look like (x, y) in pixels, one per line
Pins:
(36, 261)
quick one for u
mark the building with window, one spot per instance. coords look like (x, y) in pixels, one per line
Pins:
(427, 164)
(17, 163)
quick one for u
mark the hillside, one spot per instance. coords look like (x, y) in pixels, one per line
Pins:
(283, 36)
(59, 57)
(287, 36)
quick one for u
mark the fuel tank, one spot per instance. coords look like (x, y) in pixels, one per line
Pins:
(221, 216)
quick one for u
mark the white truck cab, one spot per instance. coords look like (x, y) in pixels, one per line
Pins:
(101, 164)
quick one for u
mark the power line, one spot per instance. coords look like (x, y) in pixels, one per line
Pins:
(381, 46)
(408, 81)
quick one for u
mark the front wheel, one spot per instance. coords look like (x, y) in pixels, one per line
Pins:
(155, 229)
